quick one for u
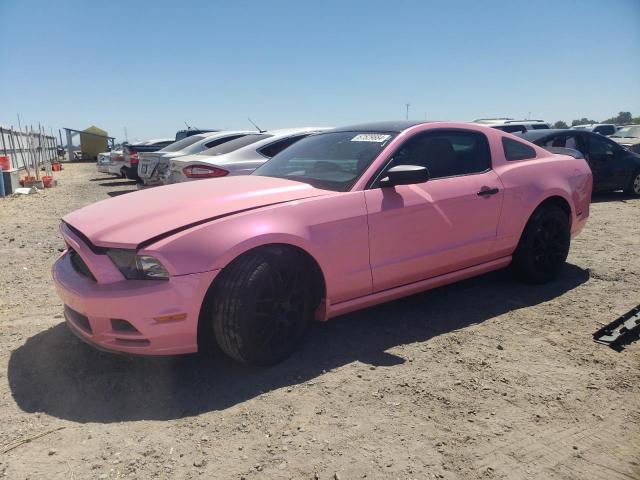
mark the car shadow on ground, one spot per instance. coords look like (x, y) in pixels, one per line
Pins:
(117, 193)
(121, 183)
(618, 196)
(55, 373)
(106, 178)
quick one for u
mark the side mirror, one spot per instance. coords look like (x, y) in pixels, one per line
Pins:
(405, 175)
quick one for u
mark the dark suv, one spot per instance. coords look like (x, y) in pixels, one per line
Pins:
(614, 167)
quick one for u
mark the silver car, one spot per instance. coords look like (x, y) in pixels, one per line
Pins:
(153, 165)
(237, 157)
(104, 161)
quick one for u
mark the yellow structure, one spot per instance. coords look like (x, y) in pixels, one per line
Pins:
(92, 145)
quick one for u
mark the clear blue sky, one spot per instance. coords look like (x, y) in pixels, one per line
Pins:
(150, 65)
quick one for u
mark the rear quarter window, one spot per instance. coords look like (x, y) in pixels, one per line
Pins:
(514, 150)
(511, 128)
(163, 144)
(605, 129)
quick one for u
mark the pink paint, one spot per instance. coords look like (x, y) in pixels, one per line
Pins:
(372, 245)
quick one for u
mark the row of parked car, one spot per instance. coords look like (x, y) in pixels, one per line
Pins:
(200, 154)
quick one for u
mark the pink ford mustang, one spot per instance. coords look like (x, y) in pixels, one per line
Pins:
(340, 221)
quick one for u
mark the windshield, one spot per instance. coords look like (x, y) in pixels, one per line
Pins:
(628, 132)
(180, 144)
(234, 145)
(330, 161)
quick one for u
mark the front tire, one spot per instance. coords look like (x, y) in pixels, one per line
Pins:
(634, 185)
(261, 306)
(544, 245)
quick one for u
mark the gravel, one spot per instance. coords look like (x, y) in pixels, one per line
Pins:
(487, 378)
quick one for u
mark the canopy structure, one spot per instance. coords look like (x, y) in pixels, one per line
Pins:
(85, 135)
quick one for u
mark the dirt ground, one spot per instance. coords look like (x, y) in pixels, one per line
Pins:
(485, 379)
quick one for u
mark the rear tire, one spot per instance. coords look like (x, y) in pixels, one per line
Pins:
(544, 245)
(634, 185)
(261, 306)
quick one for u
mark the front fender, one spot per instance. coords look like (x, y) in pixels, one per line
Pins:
(333, 230)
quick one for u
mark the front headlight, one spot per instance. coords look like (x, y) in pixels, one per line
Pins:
(137, 267)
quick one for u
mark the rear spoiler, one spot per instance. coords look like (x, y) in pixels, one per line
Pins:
(565, 151)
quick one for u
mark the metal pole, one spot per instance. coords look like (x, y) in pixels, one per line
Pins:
(52, 150)
(12, 146)
(40, 151)
(4, 148)
(407, 112)
(69, 145)
(27, 147)
(50, 141)
(22, 156)
(36, 163)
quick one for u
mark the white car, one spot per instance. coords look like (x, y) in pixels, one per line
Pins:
(153, 165)
(512, 126)
(601, 128)
(237, 157)
(132, 150)
(104, 161)
(111, 162)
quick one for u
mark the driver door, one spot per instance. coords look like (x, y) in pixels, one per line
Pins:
(445, 224)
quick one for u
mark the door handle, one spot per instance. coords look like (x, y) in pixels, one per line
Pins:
(486, 191)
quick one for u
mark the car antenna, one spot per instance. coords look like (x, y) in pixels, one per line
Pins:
(257, 127)
(188, 127)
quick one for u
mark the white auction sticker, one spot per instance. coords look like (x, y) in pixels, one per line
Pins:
(371, 137)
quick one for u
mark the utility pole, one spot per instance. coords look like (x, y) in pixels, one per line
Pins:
(126, 139)
(407, 112)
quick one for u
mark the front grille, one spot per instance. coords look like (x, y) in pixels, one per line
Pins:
(77, 319)
(79, 265)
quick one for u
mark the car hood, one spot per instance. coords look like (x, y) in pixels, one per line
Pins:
(131, 219)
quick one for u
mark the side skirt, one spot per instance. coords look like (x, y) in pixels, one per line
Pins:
(413, 288)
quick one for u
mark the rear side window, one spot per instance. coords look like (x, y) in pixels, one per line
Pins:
(514, 150)
(605, 129)
(446, 153)
(274, 148)
(601, 146)
(220, 141)
(562, 141)
(234, 145)
(184, 143)
(540, 126)
(163, 144)
(511, 128)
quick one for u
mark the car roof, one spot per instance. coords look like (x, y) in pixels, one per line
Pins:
(274, 135)
(533, 135)
(269, 137)
(292, 131)
(506, 121)
(393, 126)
